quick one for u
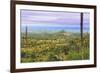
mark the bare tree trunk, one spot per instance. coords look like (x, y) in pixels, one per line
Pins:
(81, 29)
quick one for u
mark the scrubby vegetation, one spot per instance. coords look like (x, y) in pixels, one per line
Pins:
(55, 46)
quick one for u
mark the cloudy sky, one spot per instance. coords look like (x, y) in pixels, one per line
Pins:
(51, 20)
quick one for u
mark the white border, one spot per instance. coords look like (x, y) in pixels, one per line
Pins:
(53, 64)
